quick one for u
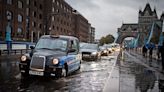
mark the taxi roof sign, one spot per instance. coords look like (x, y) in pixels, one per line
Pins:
(54, 36)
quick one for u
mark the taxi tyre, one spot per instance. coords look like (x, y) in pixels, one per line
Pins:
(64, 71)
(79, 66)
(26, 74)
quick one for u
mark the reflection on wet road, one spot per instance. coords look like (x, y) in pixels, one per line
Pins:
(91, 77)
(135, 76)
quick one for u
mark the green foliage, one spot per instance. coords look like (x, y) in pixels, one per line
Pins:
(106, 40)
(102, 40)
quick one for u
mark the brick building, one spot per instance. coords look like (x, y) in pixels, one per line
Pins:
(26, 19)
(92, 35)
(32, 18)
(81, 27)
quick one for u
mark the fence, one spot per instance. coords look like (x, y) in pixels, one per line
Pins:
(14, 52)
(16, 48)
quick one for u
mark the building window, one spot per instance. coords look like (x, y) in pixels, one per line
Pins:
(57, 10)
(9, 15)
(20, 4)
(33, 24)
(34, 3)
(53, 9)
(61, 6)
(64, 8)
(53, 18)
(57, 3)
(53, 27)
(19, 31)
(19, 18)
(28, 2)
(40, 26)
(34, 13)
(53, 1)
(9, 2)
(27, 11)
(40, 6)
(40, 16)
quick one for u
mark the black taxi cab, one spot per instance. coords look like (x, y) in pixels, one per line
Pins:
(52, 56)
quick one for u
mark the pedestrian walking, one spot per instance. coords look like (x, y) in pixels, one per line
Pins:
(158, 52)
(144, 51)
(162, 55)
(150, 52)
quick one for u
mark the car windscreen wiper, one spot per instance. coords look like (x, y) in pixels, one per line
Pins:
(45, 48)
(58, 49)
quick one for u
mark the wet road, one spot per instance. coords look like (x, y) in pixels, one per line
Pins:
(138, 74)
(90, 78)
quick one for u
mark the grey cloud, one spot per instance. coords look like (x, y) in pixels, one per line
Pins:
(107, 15)
(86, 4)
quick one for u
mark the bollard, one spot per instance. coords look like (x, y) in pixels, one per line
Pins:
(21, 51)
(0, 52)
(8, 52)
(15, 51)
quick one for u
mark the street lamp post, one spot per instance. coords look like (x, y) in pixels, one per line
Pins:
(8, 33)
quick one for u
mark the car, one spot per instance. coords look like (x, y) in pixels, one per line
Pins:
(109, 48)
(53, 55)
(90, 52)
(104, 51)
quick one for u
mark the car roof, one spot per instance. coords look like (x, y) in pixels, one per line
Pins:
(59, 36)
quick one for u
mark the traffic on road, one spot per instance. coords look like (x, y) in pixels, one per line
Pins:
(56, 64)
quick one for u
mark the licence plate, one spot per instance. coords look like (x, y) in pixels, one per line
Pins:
(36, 73)
(85, 55)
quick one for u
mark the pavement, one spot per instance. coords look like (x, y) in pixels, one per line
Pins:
(139, 74)
(134, 73)
(153, 62)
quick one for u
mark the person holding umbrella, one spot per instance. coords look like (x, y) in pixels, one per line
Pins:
(151, 50)
(144, 51)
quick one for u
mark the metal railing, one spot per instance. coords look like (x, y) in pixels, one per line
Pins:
(14, 52)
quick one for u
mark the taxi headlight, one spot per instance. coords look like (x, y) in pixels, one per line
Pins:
(105, 51)
(94, 53)
(23, 58)
(55, 61)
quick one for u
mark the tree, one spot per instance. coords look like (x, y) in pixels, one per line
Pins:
(106, 40)
(102, 40)
(109, 39)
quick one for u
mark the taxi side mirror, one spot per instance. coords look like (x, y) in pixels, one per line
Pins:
(32, 47)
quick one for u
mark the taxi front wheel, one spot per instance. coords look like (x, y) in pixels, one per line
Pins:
(64, 71)
(24, 74)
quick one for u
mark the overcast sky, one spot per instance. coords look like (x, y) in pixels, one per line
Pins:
(108, 15)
